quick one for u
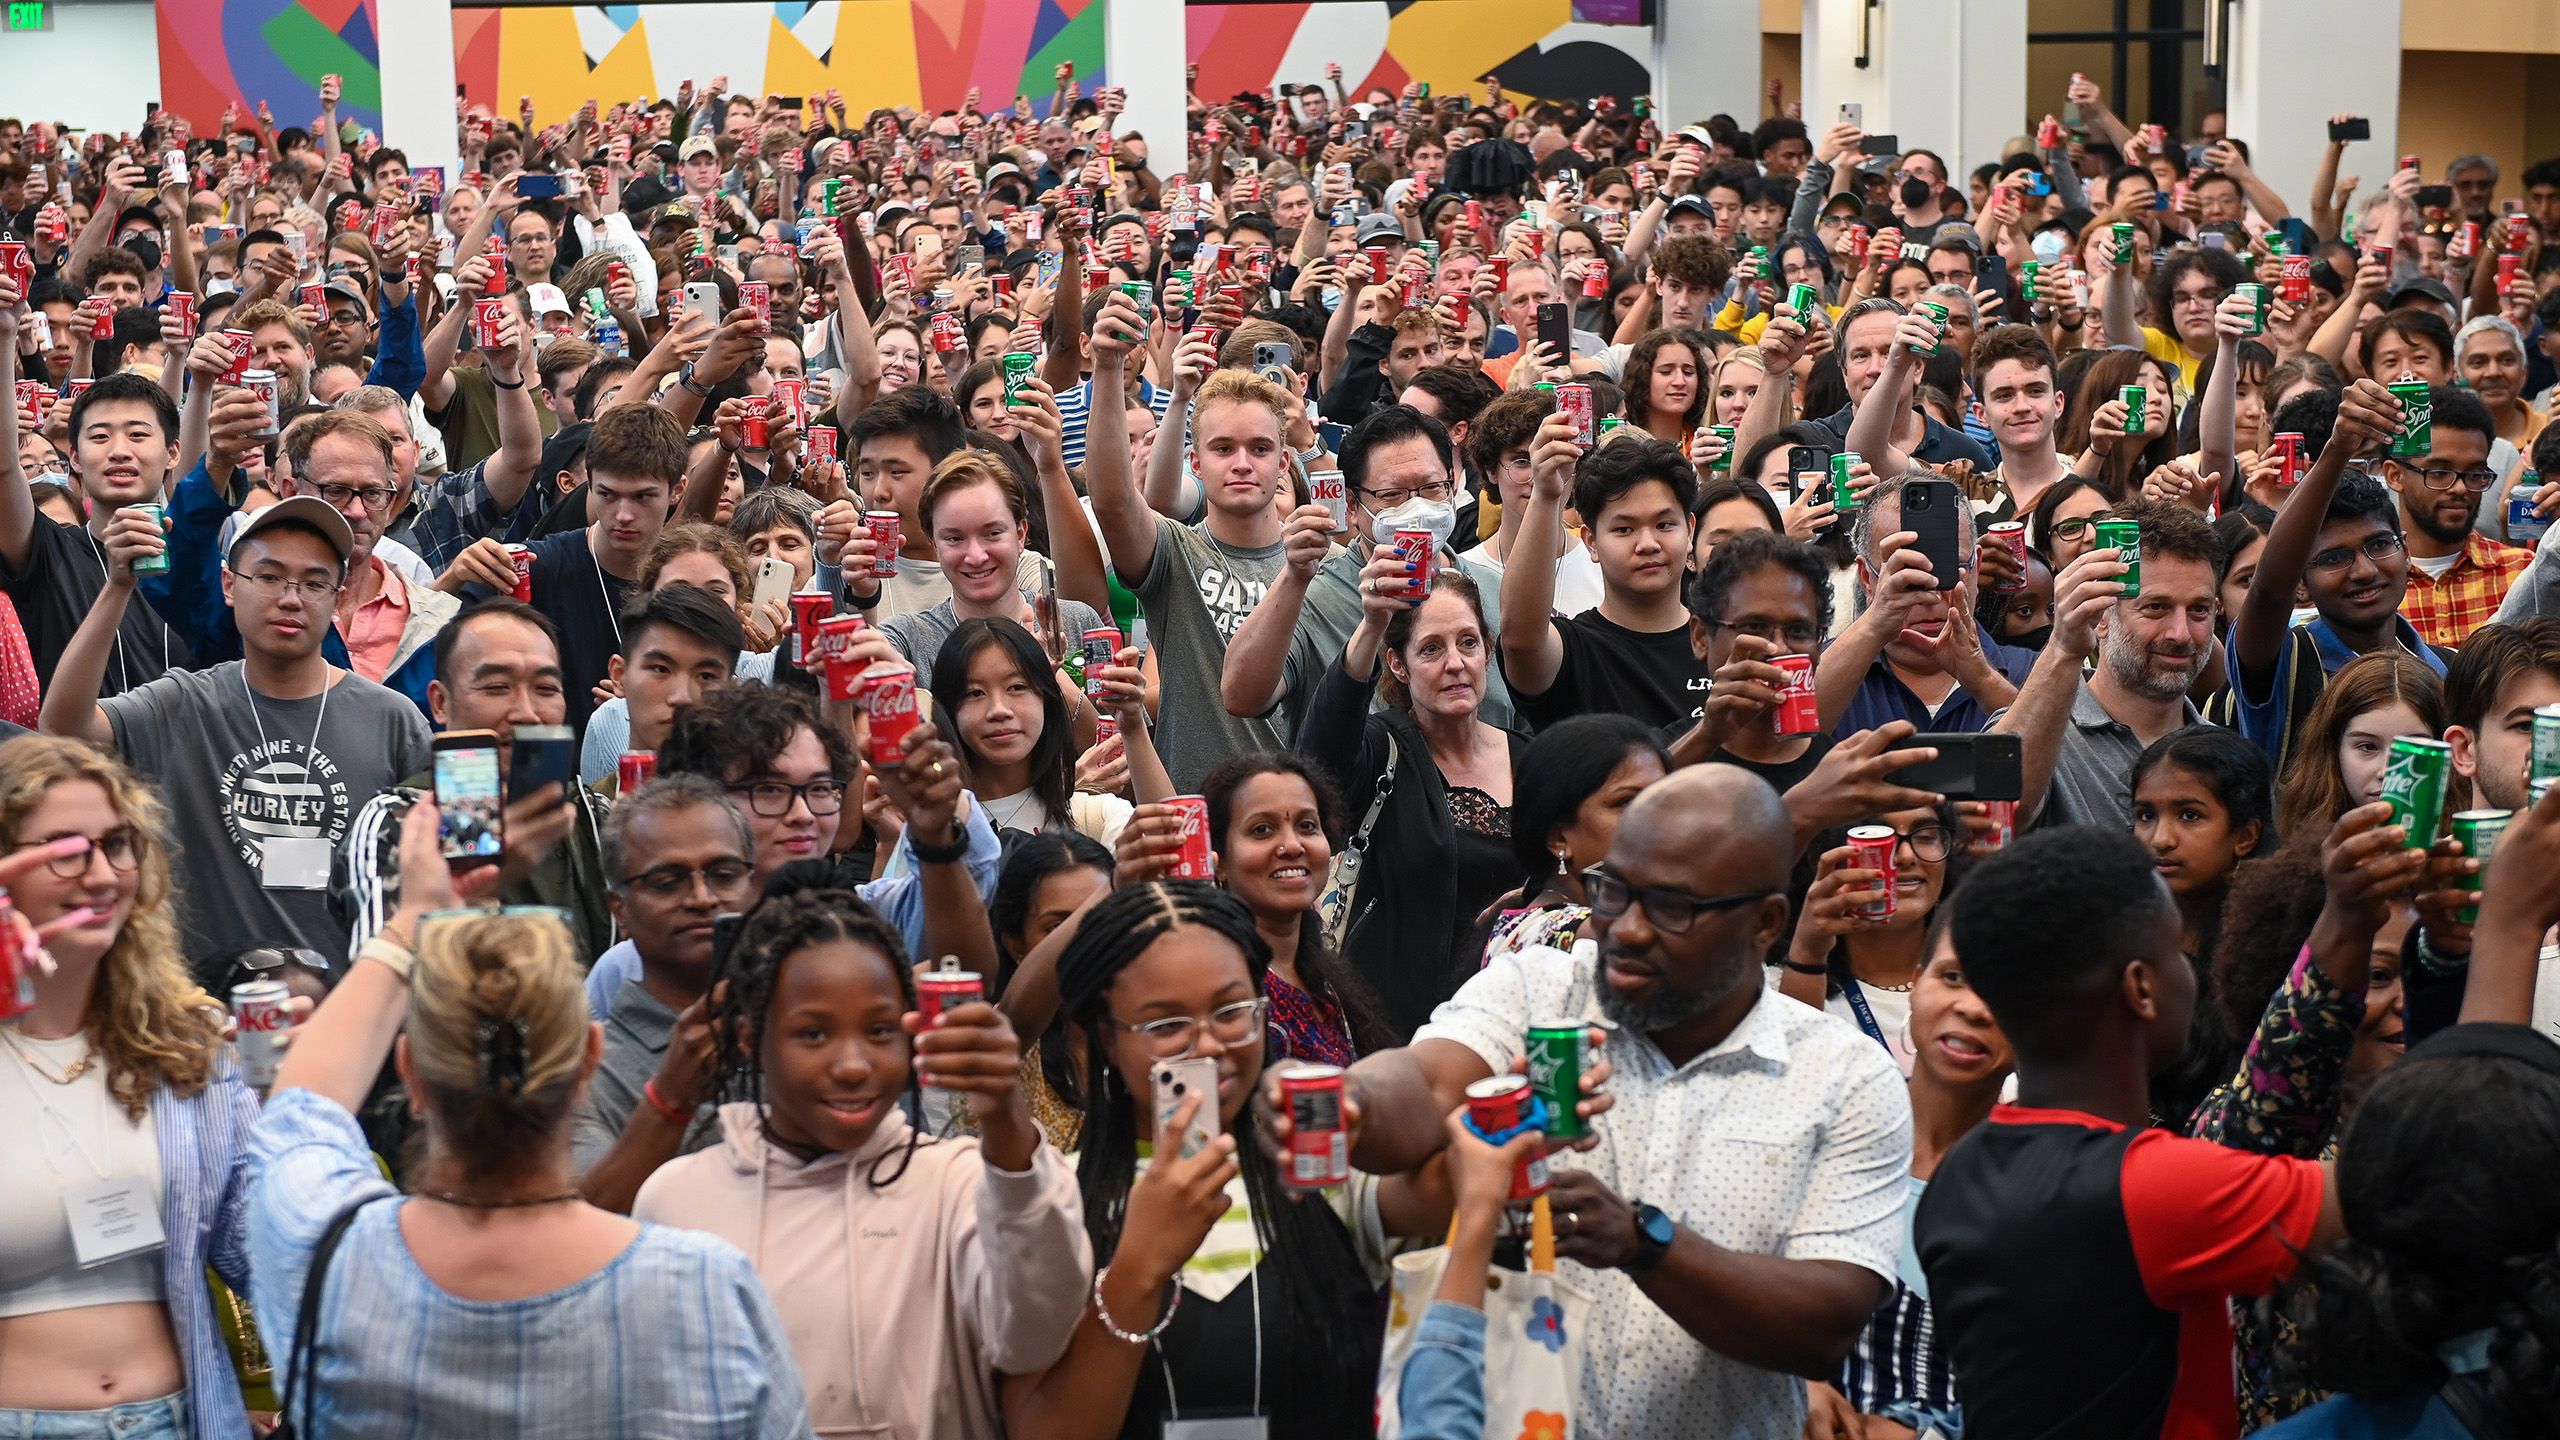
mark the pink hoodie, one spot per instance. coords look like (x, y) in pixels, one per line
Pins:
(903, 1303)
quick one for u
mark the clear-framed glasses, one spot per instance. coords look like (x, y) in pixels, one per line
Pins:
(669, 881)
(2376, 548)
(1175, 1036)
(1389, 499)
(274, 586)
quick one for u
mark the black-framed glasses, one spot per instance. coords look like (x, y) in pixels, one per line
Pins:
(2376, 548)
(1798, 639)
(1175, 1036)
(1667, 908)
(772, 799)
(2078, 525)
(375, 497)
(2445, 477)
(1389, 499)
(669, 881)
(1930, 841)
(121, 846)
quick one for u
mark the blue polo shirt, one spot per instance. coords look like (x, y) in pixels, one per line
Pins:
(1882, 697)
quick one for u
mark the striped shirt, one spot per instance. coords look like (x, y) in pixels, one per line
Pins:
(673, 1337)
(1075, 406)
(204, 1210)
(1895, 1368)
(1226, 1257)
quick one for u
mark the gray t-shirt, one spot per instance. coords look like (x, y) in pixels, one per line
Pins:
(239, 774)
(1196, 593)
(919, 635)
(1332, 612)
(636, 1033)
(2093, 769)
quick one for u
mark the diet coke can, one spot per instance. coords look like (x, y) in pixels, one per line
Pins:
(1799, 709)
(1328, 489)
(1873, 847)
(1319, 1142)
(259, 1007)
(262, 383)
(822, 444)
(2010, 535)
(1497, 1104)
(889, 700)
(1101, 647)
(1194, 862)
(809, 610)
(521, 557)
(635, 769)
(883, 525)
(1575, 400)
(834, 653)
(793, 394)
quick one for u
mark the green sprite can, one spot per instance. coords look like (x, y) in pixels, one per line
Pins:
(1803, 299)
(2417, 418)
(2124, 242)
(2477, 832)
(2027, 286)
(2137, 408)
(2256, 295)
(2413, 781)
(1939, 312)
(1431, 252)
(2276, 245)
(1844, 499)
(1557, 1052)
(1547, 385)
(1180, 282)
(1018, 367)
(2546, 742)
(159, 564)
(1724, 462)
(2125, 537)
(1611, 425)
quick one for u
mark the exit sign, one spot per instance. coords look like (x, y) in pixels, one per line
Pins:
(26, 14)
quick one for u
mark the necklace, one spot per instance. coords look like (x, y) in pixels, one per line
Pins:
(1902, 989)
(73, 1071)
(471, 1203)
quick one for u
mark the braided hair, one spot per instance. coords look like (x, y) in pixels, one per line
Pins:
(788, 920)
(1313, 1267)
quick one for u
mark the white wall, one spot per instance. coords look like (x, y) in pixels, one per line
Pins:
(1706, 61)
(95, 65)
(1944, 75)
(2294, 63)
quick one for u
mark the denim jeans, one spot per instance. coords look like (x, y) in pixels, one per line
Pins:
(161, 1419)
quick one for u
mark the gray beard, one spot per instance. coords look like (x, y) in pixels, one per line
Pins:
(2132, 670)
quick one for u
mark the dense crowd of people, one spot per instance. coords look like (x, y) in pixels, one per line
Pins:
(1449, 766)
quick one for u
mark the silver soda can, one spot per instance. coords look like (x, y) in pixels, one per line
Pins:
(259, 1006)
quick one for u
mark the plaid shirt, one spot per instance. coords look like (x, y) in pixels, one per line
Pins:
(2445, 610)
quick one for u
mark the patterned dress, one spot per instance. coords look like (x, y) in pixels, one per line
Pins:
(1306, 1028)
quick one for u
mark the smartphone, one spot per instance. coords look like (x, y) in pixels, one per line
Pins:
(2345, 130)
(470, 809)
(1333, 433)
(1176, 1081)
(1809, 467)
(535, 186)
(2200, 157)
(1354, 131)
(1273, 362)
(2435, 197)
(1854, 114)
(1969, 766)
(703, 298)
(1880, 145)
(2039, 183)
(774, 581)
(1992, 273)
(2214, 240)
(1930, 510)
(971, 257)
(543, 755)
(791, 102)
(1555, 329)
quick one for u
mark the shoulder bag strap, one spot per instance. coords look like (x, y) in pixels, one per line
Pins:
(1335, 905)
(300, 1377)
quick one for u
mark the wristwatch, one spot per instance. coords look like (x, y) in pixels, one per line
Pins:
(684, 378)
(1653, 1240)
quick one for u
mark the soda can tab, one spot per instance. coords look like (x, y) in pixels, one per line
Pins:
(946, 987)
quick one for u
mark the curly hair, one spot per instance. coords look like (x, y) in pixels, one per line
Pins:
(1639, 374)
(696, 537)
(148, 1018)
(791, 918)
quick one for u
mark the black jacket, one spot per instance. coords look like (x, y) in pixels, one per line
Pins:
(1359, 386)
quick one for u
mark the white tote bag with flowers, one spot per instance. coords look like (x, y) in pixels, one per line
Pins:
(1532, 1339)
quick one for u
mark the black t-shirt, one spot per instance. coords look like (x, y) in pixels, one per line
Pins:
(1607, 667)
(586, 603)
(65, 570)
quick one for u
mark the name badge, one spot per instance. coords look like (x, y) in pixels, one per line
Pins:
(113, 1219)
(293, 862)
(1234, 1427)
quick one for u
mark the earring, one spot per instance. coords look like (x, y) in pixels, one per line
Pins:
(1563, 866)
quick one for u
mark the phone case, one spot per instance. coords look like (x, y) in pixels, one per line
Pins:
(1929, 511)
(773, 581)
(1175, 1080)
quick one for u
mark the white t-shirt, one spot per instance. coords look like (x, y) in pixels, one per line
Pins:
(1578, 585)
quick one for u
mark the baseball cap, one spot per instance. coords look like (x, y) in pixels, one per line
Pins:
(1379, 227)
(547, 298)
(1693, 204)
(350, 290)
(697, 145)
(309, 511)
(2417, 287)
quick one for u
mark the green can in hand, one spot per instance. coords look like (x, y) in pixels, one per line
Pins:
(2413, 782)
(2125, 538)
(1844, 499)
(2477, 832)
(154, 564)
(1558, 1049)
(2417, 418)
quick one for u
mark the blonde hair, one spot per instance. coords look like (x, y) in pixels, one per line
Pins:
(497, 1035)
(695, 537)
(968, 467)
(148, 1019)
(1242, 387)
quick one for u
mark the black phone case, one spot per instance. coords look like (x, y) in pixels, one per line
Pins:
(1555, 329)
(1934, 521)
(1968, 767)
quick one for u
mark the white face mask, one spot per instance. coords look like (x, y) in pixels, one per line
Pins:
(1439, 517)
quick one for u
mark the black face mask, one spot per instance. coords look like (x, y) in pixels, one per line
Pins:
(2030, 639)
(145, 249)
(1915, 193)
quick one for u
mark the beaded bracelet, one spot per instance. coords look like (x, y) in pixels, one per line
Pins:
(1103, 1312)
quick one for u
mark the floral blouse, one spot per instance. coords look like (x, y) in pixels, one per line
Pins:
(1306, 1027)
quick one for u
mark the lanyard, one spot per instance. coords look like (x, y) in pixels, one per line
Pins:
(316, 721)
(1173, 1402)
(1857, 996)
(604, 592)
(124, 677)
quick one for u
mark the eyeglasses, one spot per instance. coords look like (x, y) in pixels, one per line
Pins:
(2376, 548)
(268, 958)
(2074, 528)
(1797, 638)
(1390, 499)
(1930, 841)
(2442, 477)
(669, 881)
(1668, 909)
(1175, 1036)
(121, 846)
(274, 586)
(375, 497)
(772, 798)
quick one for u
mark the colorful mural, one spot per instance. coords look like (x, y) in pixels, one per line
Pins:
(222, 52)
(1542, 48)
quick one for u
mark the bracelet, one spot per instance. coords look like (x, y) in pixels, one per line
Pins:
(649, 1092)
(950, 854)
(1804, 969)
(503, 385)
(1102, 1312)
(383, 950)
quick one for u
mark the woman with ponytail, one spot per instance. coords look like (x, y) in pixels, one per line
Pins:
(909, 1272)
(1221, 1291)
(492, 1300)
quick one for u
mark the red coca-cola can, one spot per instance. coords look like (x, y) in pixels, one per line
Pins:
(1194, 861)
(314, 295)
(2470, 237)
(1002, 281)
(2293, 282)
(1799, 709)
(2049, 134)
(1104, 727)
(1101, 646)
(1416, 292)
(1473, 212)
(487, 314)
(1319, 1141)
(2010, 535)
(1872, 848)
(1575, 400)
(2509, 265)
(2003, 815)
(181, 307)
(1857, 237)
(104, 327)
(946, 988)
(2519, 233)
(2289, 463)
(1500, 265)
(1595, 281)
(521, 557)
(30, 394)
(1421, 550)
(1378, 263)
(810, 609)
(791, 397)
(755, 427)
(386, 222)
(757, 295)
(889, 701)
(635, 769)
(946, 332)
(883, 525)
(17, 264)
(1496, 1104)
(822, 444)
(833, 654)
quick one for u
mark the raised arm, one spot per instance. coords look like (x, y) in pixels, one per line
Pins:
(2217, 428)
(1128, 526)
(1254, 677)
(2366, 414)
(1532, 651)
(17, 503)
(1168, 490)
(2339, 330)
(508, 472)
(1889, 399)
(2085, 590)
(1064, 365)
(2517, 905)
(71, 693)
